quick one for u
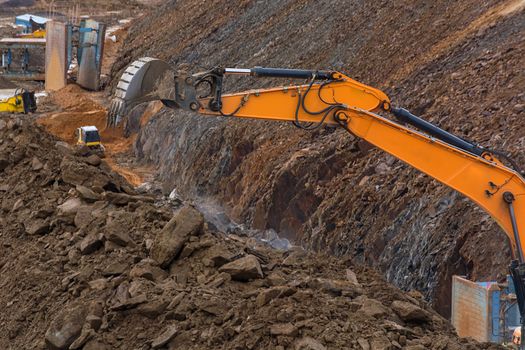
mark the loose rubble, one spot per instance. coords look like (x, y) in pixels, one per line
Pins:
(141, 274)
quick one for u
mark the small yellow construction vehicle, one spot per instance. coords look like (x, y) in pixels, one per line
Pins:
(22, 101)
(89, 136)
(39, 33)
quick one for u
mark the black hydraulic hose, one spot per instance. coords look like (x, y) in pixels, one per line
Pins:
(291, 73)
(406, 117)
(324, 110)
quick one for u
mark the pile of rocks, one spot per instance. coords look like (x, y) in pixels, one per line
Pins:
(88, 263)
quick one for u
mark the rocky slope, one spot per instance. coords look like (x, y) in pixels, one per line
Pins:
(458, 64)
(89, 263)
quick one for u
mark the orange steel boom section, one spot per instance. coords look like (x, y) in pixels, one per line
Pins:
(333, 98)
(472, 175)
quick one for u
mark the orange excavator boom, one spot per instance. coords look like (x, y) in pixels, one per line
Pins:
(334, 98)
(331, 97)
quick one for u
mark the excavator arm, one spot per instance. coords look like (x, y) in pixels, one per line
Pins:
(331, 97)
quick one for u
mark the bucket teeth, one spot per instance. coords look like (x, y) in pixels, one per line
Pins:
(116, 109)
(143, 80)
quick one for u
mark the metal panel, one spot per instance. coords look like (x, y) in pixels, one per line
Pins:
(56, 55)
(495, 308)
(91, 48)
(22, 41)
(29, 76)
(484, 311)
(470, 309)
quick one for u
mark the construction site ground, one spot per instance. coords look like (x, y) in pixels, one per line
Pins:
(88, 262)
(168, 242)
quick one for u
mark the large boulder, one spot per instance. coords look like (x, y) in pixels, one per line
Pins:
(83, 217)
(93, 160)
(146, 270)
(269, 294)
(171, 239)
(163, 339)
(122, 199)
(73, 173)
(286, 329)
(91, 243)
(37, 227)
(409, 312)
(243, 269)
(65, 328)
(70, 206)
(87, 194)
(373, 308)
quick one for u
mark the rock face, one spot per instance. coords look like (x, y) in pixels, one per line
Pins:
(169, 242)
(243, 269)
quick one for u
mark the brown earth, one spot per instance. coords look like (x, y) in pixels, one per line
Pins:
(458, 64)
(73, 107)
(89, 263)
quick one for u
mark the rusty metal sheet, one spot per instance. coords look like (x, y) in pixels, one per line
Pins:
(56, 55)
(472, 308)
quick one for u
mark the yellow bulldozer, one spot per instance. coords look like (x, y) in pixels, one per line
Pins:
(89, 137)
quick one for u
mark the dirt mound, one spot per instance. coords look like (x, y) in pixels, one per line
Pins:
(70, 108)
(89, 263)
(74, 110)
(458, 64)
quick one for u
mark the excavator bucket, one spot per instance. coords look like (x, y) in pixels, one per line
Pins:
(146, 79)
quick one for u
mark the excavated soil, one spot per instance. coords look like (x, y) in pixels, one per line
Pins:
(70, 108)
(89, 263)
(458, 64)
